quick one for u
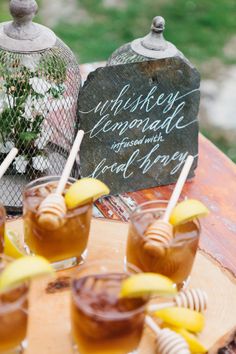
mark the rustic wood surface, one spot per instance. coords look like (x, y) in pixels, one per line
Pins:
(49, 324)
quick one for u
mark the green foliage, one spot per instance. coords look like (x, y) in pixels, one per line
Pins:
(28, 85)
(53, 67)
(6, 123)
(4, 12)
(199, 28)
(14, 125)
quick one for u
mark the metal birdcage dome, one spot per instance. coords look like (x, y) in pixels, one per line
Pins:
(39, 87)
(151, 47)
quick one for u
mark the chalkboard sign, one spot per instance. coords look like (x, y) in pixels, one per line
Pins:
(140, 123)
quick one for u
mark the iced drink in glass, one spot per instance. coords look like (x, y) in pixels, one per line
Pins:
(102, 322)
(67, 245)
(175, 260)
(13, 316)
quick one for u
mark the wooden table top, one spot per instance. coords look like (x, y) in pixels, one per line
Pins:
(214, 185)
(49, 321)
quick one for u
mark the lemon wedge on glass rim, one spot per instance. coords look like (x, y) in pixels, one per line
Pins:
(13, 244)
(84, 191)
(187, 210)
(142, 284)
(23, 269)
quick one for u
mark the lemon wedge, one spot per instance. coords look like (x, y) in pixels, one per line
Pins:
(194, 344)
(85, 190)
(13, 244)
(142, 284)
(23, 269)
(187, 210)
(182, 317)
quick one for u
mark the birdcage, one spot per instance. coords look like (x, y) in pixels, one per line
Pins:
(152, 46)
(39, 86)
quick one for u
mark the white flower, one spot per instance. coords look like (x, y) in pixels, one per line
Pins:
(40, 143)
(2, 102)
(5, 148)
(35, 106)
(31, 62)
(2, 86)
(9, 101)
(20, 163)
(44, 137)
(40, 106)
(40, 163)
(40, 86)
(6, 101)
(28, 108)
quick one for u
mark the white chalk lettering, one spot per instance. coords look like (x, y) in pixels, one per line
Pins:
(171, 122)
(151, 159)
(145, 163)
(127, 142)
(143, 103)
(116, 168)
(114, 115)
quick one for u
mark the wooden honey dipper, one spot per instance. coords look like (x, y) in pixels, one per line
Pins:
(167, 341)
(52, 210)
(161, 231)
(193, 299)
(7, 161)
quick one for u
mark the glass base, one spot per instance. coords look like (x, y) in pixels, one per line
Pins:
(70, 262)
(76, 351)
(18, 350)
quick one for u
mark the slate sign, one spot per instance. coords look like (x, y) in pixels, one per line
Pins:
(140, 123)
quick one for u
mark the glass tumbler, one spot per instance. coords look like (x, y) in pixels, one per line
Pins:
(13, 316)
(102, 322)
(67, 245)
(174, 260)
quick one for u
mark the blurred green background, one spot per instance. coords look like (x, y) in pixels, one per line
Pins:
(201, 29)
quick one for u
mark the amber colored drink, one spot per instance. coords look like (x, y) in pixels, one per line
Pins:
(2, 227)
(13, 318)
(102, 323)
(67, 243)
(174, 261)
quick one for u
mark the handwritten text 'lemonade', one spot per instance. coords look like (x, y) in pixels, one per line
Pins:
(168, 106)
